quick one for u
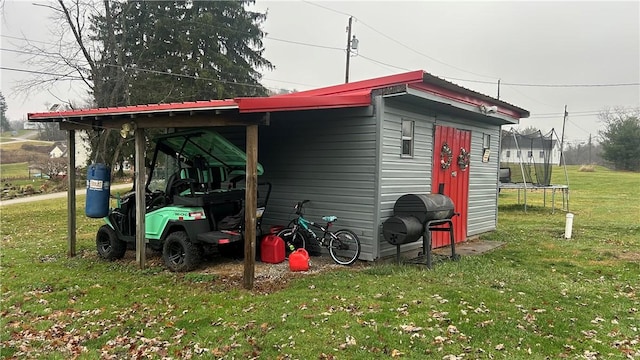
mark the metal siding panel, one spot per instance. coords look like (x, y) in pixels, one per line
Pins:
(399, 176)
(331, 162)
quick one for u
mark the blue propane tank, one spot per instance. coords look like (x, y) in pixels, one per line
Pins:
(98, 191)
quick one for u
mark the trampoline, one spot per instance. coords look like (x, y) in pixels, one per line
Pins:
(527, 173)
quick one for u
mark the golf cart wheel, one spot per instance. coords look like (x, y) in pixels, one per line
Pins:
(108, 245)
(180, 254)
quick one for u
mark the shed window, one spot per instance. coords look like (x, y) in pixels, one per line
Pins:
(508, 153)
(486, 141)
(541, 154)
(407, 138)
(530, 153)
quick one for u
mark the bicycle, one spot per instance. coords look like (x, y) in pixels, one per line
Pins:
(343, 245)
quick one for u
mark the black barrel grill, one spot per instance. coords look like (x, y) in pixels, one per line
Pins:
(417, 215)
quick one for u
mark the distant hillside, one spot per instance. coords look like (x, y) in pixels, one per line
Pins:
(24, 151)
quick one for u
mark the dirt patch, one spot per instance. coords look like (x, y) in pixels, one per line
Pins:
(227, 273)
(630, 256)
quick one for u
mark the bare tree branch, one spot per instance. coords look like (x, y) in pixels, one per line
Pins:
(76, 29)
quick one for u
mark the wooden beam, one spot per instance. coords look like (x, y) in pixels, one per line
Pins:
(169, 121)
(250, 207)
(71, 193)
(140, 177)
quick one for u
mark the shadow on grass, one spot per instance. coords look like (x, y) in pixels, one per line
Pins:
(520, 208)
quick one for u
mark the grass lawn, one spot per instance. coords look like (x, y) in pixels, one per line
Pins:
(537, 297)
(10, 144)
(9, 135)
(15, 170)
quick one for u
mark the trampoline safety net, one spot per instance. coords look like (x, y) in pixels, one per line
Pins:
(532, 151)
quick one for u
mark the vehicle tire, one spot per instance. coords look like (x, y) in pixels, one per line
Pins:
(291, 238)
(108, 245)
(180, 254)
(345, 247)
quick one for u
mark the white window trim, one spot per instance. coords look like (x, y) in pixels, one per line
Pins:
(404, 138)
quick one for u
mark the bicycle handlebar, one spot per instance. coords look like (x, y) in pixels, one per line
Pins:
(299, 205)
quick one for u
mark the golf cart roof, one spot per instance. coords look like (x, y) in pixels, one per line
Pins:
(213, 147)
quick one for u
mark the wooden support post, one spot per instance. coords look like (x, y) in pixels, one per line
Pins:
(71, 193)
(140, 174)
(250, 207)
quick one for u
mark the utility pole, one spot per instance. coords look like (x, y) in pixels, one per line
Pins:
(589, 149)
(346, 75)
(564, 122)
(498, 89)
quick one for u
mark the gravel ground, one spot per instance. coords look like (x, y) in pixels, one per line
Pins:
(229, 272)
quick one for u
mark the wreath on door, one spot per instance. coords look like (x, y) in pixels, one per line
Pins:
(463, 159)
(445, 156)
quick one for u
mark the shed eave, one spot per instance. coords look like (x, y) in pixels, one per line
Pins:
(295, 103)
(500, 117)
(435, 84)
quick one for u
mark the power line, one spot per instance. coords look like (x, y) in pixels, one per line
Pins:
(579, 127)
(70, 77)
(393, 66)
(328, 8)
(383, 63)
(573, 85)
(546, 85)
(398, 42)
(576, 113)
(25, 39)
(560, 115)
(303, 43)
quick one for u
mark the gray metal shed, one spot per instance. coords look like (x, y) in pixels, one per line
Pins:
(351, 149)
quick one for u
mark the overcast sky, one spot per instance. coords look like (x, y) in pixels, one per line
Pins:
(527, 45)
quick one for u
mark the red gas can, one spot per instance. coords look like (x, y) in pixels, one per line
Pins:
(272, 249)
(299, 260)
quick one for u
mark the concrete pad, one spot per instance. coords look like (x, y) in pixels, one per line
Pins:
(472, 247)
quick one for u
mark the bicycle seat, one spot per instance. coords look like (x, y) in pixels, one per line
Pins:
(330, 219)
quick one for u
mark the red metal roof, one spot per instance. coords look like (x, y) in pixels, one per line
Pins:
(355, 94)
(137, 109)
(364, 85)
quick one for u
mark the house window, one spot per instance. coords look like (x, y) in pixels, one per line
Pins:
(508, 153)
(486, 141)
(530, 153)
(541, 154)
(407, 138)
(486, 145)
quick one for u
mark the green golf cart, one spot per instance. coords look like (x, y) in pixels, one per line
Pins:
(193, 203)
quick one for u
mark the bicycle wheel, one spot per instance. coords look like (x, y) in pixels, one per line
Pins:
(291, 237)
(345, 247)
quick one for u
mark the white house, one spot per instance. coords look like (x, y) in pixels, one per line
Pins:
(82, 149)
(59, 150)
(529, 149)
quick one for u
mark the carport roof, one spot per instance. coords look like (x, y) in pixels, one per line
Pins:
(355, 94)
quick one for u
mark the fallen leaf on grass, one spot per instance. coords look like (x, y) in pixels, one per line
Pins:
(410, 328)
(396, 353)
(484, 323)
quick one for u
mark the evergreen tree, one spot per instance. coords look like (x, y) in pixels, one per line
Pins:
(174, 51)
(621, 139)
(4, 122)
(140, 52)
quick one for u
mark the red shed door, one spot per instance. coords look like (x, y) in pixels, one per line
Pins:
(451, 176)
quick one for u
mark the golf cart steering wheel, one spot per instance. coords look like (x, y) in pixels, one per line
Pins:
(180, 183)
